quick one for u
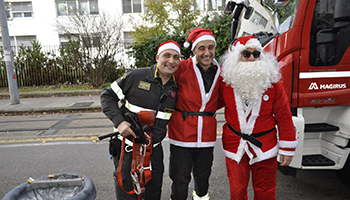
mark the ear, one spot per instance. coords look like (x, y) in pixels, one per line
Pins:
(194, 51)
(157, 57)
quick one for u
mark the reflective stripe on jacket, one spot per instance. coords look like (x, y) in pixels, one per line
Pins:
(141, 89)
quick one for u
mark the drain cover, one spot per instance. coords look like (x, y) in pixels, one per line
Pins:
(82, 104)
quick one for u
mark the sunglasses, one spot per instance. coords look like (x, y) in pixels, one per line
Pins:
(247, 54)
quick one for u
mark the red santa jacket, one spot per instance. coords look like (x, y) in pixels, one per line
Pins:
(272, 109)
(195, 131)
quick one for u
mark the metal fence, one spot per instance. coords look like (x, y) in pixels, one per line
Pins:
(35, 72)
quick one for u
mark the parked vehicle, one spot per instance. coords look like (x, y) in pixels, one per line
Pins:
(311, 42)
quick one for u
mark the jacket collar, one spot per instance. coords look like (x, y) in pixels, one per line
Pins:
(155, 74)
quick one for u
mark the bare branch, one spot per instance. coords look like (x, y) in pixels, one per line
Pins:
(99, 37)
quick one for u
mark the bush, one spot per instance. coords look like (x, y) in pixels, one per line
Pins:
(36, 67)
(220, 24)
(145, 52)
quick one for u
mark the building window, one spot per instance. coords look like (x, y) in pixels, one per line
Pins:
(128, 38)
(199, 4)
(66, 8)
(86, 7)
(210, 5)
(132, 6)
(90, 41)
(20, 10)
(24, 40)
(64, 39)
(18, 41)
(216, 5)
(84, 41)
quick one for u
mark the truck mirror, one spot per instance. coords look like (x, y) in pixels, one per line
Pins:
(325, 36)
(280, 3)
(341, 11)
(230, 6)
(248, 12)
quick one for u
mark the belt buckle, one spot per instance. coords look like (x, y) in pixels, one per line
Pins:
(184, 115)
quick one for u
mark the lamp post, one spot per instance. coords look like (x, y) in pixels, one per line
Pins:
(8, 56)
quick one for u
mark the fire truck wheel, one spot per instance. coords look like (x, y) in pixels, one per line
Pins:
(344, 174)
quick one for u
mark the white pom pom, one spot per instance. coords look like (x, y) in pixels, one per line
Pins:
(186, 44)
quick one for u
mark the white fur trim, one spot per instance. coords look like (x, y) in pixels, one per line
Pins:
(254, 44)
(286, 153)
(169, 46)
(192, 144)
(202, 38)
(186, 44)
(205, 96)
(288, 144)
(243, 149)
(263, 155)
(232, 156)
(246, 127)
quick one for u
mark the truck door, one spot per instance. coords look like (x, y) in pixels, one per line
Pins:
(324, 78)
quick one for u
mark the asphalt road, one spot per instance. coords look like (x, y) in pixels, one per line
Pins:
(34, 152)
(23, 160)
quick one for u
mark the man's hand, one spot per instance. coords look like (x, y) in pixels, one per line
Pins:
(285, 160)
(125, 130)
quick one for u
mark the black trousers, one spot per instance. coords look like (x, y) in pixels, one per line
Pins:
(183, 161)
(153, 187)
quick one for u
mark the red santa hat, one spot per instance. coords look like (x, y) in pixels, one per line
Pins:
(197, 35)
(247, 42)
(171, 44)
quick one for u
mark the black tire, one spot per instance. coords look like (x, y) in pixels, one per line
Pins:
(344, 174)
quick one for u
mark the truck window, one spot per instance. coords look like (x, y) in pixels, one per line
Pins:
(328, 40)
(283, 16)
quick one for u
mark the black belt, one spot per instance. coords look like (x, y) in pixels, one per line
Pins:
(251, 138)
(185, 113)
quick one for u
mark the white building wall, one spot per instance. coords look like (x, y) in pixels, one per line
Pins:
(42, 24)
(44, 18)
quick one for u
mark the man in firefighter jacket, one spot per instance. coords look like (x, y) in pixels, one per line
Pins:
(153, 88)
(192, 128)
(255, 102)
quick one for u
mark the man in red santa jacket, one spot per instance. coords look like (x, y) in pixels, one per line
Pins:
(256, 106)
(192, 127)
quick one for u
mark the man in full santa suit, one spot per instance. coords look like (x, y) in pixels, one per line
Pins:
(255, 102)
(192, 127)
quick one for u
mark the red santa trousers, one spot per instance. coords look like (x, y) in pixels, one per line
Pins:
(263, 178)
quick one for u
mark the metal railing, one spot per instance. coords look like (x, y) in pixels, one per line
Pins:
(34, 71)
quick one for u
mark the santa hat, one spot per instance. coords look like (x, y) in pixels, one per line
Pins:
(171, 44)
(197, 35)
(247, 42)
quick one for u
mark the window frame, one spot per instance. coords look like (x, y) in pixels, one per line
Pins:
(22, 13)
(84, 41)
(128, 38)
(131, 6)
(77, 7)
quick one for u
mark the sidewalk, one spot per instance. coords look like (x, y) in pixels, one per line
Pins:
(52, 102)
(68, 126)
(19, 124)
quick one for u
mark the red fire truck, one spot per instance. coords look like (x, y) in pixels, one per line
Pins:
(311, 41)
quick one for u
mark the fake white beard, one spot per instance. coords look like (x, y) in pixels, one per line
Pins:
(250, 79)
